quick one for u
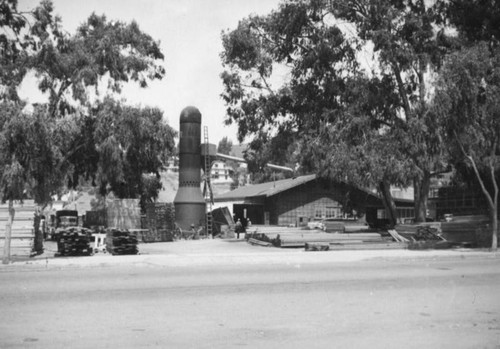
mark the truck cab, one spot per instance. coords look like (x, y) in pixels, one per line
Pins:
(64, 219)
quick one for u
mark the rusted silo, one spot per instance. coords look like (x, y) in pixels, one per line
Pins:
(189, 202)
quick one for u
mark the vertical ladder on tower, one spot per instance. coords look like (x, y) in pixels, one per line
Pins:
(207, 185)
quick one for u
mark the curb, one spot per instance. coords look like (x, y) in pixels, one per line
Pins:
(231, 259)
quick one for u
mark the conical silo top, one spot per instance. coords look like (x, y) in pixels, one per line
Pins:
(190, 114)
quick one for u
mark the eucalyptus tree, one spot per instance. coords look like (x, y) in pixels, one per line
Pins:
(475, 20)
(29, 161)
(132, 146)
(21, 34)
(343, 64)
(101, 52)
(225, 146)
(467, 101)
(468, 104)
(47, 149)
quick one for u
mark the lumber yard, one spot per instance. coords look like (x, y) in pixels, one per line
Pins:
(299, 212)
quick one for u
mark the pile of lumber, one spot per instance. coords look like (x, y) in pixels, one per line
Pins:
(422, 238)
(299, 240)
(121, 242)
(74, 242)
(462, 230)
(123, 214)
(159, 221)
(317, 240)
(334, 227)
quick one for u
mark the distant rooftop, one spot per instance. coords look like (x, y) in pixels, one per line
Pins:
(238, 149)
(265, 189)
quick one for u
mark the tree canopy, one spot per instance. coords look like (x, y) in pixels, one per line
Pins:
(130, 143)
(354, 77)
(21, 34)
(101, 52)
(476, 20)
(80, 136)
(76, 133)
(225, 146)
(467, 99)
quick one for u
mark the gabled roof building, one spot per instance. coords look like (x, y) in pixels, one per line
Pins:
(299, 200)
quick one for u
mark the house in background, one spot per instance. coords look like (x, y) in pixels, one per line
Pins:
(221, 173)
(221, 178)
(297, 201)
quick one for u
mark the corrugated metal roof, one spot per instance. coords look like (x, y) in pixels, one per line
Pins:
(265, 189)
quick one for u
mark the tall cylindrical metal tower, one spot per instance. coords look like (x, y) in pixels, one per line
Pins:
(189, 202)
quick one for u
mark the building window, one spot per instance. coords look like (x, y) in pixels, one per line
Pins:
(318, 213)
(434, 193)
(405, 212)
(380, 213)
(333, 212)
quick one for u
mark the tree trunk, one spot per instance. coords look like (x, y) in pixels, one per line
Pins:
(390, 206)
(491, 199)
(8, 233)
(494, 229)
(421, 187)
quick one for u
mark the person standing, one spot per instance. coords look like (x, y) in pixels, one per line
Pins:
(238, 228)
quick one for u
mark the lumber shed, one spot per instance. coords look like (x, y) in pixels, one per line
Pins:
(300, 200)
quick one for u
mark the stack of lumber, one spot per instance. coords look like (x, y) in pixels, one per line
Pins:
(422, 238)
(74, 242)
(317, 239)
(119, 242)
(160, 221)
(95, 219)
(334, 227)
(22, 233)
(461, 230)
(152, 235)
(299, 240)
(123, 214)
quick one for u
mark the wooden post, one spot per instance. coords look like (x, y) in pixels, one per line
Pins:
(8, 233)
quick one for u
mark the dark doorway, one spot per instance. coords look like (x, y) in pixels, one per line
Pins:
(253, 212)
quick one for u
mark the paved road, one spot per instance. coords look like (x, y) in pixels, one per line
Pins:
(379, 303)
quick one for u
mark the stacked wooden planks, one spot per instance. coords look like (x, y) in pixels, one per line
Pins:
(74, 241)
(460, 230)
(160, 222)
(123, 214)
(95, 219)
(23, 233)
(334, 227)
(121, 242)
(374, 245)
(296, 240)
(316, 239)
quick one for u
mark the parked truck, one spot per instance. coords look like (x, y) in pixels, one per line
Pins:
(63, 220)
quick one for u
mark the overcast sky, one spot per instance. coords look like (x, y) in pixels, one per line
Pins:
(190, 36)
